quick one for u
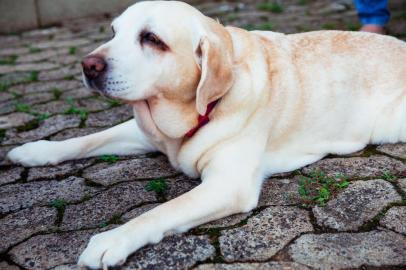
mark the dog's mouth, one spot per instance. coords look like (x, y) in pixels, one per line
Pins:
(102, 86)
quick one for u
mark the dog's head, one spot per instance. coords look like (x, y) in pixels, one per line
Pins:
(163, 49)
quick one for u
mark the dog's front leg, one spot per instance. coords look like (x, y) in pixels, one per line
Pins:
(227, 188)
(126, 138)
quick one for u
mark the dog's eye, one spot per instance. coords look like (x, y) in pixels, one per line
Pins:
(152, 39)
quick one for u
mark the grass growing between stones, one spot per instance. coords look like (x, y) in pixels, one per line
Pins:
(39, 117)
(113, 102)
(116, 219)
(76, 110)
(33, 49)
(56, 92)
(69, 78)
(353, 26)
(329, 26)
(72, 50)
(271, 6)
(4, 86)
(59, 205)
(33, 77)
(267, 26)
(2, 134)
(374, 222)
(302, 2)
(9, 60)
(388, 176)
(159, 186)
(109, 158)
(319, 188)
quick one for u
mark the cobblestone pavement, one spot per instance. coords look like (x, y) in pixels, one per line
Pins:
(47, 214)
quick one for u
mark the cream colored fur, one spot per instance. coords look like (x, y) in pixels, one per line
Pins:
(286, 101)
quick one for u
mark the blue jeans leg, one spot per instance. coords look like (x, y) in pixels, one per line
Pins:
(373, 11)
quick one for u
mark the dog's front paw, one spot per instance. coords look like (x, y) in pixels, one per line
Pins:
(106, 249)
(34, 154)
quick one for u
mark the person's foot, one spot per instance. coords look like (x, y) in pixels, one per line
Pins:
(373, 28)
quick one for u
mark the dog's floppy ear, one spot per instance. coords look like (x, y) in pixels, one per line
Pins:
(215, 54)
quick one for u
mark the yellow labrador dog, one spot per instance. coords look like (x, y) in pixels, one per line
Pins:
(230, 106)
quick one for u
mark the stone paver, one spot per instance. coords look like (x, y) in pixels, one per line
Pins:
(349, 250)
(110, 117)
(15, 120)
(74, 132)
(105, 206)
(396, 150)
(37, 87)
(41, 82)
(265, 234)
(402, 184)
(359, 167)
(395, 219)
(126, 170)
(174, 252)
(279, 192)
(227, 221)
(58, 171)
(10, 175)
(4, 69)
(17, 196)
(356, 205)
(50, 250)
(178, 186)
(46, 128)
(254, 266)
(21, 225)
(137, 212)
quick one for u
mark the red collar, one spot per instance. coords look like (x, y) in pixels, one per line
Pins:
(202, 119)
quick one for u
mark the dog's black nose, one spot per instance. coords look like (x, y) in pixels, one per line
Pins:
(93, 66)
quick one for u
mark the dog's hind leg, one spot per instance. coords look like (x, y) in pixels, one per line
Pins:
(126, 138)
(230, 184)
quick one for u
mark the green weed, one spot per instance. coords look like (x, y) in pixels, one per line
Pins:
(388, 176)
(69, 77)
(273, 7)
(22, 107)
(113, 102)
(34, 49)
(109, 158)
(82, 112)
(158, 186)
(302, 2)
(59, 204)
(4, 86)
(33, 77)
(232, 17)
(39, 117)
(8, 60)
(319, 188)
(72, 50)
(56, 92)
(2, 134)
(329, 26)
(42, 116)
(264, 26)
(353, 26)
(16, 95)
